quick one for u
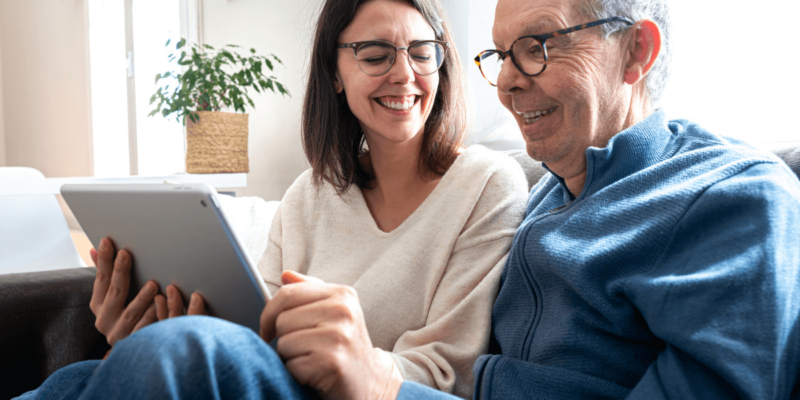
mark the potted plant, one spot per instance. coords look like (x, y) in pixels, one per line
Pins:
(213, 80)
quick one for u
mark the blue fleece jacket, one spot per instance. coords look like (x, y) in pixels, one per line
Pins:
(674, 274)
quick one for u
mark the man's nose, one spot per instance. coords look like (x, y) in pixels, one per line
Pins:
(401, 71)
(510, 78)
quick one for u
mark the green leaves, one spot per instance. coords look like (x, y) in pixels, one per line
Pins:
(212, 79)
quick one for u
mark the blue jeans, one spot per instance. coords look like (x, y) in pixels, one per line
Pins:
(189, 358)
(180, 358)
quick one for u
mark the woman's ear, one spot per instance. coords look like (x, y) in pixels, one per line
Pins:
(643, 51)
(337, 84)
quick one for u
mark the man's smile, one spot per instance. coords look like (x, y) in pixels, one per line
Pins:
(531, 117)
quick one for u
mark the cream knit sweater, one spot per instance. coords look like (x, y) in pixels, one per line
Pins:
(427, 287)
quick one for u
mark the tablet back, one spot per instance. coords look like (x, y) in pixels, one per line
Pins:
(176, 234)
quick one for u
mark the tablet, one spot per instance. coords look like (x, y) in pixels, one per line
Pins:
(176, 234)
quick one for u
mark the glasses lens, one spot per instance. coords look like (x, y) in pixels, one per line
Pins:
(426, 57)
(529, 55)
(375, 58)
(491, 63)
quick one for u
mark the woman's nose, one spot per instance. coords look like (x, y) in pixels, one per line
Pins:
(401, 71)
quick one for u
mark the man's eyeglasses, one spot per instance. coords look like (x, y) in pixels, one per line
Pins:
(529, 53)
(376, 57)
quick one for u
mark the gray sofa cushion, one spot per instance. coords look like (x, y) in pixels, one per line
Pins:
(533, 169)
(791, 157)
(46, 324)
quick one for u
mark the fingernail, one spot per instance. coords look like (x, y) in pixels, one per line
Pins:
(193, 301)
(169, 293)
(150, 288)
(290, 277)
(103, 244)
(123, 256)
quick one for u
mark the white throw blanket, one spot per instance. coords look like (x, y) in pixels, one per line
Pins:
(250, 218)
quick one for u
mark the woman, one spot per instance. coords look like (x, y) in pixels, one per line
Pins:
(416, 225)
(384, 259)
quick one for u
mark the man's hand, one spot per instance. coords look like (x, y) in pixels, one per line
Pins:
(113, 318)
(324, 340)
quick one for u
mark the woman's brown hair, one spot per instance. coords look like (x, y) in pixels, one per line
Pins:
(332, 136)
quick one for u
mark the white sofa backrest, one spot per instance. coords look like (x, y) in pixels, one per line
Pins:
(34, 235)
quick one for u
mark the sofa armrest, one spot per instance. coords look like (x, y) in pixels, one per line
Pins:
(46, 324)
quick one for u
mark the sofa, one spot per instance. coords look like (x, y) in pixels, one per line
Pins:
(45, 321)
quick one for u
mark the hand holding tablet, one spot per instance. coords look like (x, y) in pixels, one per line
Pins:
(170, 235)
(116, 320)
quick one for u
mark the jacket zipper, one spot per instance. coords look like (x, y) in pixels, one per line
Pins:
(532, 281)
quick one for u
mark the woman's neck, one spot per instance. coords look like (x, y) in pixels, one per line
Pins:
(398, 188)
(396, 168)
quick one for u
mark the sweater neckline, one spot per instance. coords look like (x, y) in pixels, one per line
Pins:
(446, 178)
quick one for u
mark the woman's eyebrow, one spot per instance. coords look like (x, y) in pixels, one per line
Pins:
(394, 44)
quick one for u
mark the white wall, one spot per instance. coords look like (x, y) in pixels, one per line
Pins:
(736, 76)
(2, 119)
(284, 28)
(44, 70)
(472, 21)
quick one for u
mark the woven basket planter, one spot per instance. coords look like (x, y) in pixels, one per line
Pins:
(217, 143)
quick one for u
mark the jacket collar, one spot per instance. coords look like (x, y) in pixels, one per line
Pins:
(628, 152)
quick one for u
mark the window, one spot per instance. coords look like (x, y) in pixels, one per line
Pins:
(127, 49)
(109, 91)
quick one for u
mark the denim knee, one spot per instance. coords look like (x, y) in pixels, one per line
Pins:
(194, 357)
(191, 336)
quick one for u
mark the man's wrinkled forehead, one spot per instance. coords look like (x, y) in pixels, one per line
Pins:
(515, 18)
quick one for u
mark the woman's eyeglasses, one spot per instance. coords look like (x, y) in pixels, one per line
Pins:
(376, 57)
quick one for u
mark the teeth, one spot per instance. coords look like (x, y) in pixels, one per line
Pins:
(400, 105)
(533, 116)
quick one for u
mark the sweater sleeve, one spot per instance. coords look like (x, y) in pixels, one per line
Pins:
(726, 295)
(458, 324)
(271, 264)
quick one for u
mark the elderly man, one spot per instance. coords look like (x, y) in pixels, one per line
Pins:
(657, 260)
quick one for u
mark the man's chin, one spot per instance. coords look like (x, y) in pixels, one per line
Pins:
(545, 152)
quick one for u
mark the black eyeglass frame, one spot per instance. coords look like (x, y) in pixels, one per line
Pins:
(357, 45)
(542, 39)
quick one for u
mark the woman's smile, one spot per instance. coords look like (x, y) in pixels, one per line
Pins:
(399, 105)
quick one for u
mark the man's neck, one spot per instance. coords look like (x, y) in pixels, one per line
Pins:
(572, 168)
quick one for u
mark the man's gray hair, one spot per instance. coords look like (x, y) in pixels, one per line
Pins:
(656, 10)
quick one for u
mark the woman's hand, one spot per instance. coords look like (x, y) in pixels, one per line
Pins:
(172, 306)
(324, 340)
(111, 285)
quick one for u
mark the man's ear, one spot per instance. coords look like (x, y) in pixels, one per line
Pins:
(337, 84)
(643, 52)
